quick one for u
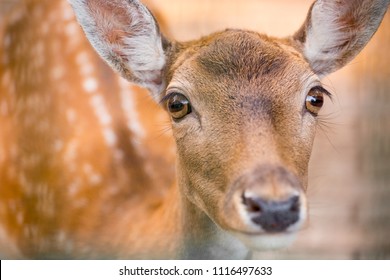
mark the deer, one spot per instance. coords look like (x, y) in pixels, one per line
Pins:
(231, 179)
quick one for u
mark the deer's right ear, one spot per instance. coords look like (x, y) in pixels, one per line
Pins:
(127, 37)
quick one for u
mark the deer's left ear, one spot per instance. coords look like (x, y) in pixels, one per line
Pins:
(335, 31)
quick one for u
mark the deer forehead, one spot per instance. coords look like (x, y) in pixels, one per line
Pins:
(241, 69)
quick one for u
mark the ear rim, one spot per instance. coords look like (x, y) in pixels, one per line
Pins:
(347, 43)
(152, 45)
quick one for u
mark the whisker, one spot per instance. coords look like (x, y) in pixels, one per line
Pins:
(163, 129)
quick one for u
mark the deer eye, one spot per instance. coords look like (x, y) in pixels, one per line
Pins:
(315, 99)
(178, 105)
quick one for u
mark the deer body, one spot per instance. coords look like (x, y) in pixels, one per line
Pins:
(242, 108)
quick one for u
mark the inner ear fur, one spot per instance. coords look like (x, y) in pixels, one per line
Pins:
(336, 31)
(127, 36)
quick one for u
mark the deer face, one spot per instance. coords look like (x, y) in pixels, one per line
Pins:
(243, 111)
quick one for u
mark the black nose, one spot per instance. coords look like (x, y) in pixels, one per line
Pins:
(273, 216)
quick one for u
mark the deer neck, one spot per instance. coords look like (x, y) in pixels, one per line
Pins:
(202, 238)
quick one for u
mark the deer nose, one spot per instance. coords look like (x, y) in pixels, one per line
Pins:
(271, 215)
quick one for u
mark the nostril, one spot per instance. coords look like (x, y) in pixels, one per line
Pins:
(252, 204)
(295, 205)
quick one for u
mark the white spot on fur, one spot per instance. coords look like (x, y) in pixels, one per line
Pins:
(16, 16)
(70, 153)
(119, 154)
(104, 118)
(87, 168)
(109, 136)
(90, 85)
(86, 68)
(73, 188)
(57, 72)
(82, 57)
(129, 107)
(100, 109)
(67, 12)
(58, 145)
(71, 29)
(95, 179)
(61, 237)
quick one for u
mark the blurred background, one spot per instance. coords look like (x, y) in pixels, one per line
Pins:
(349, 182)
